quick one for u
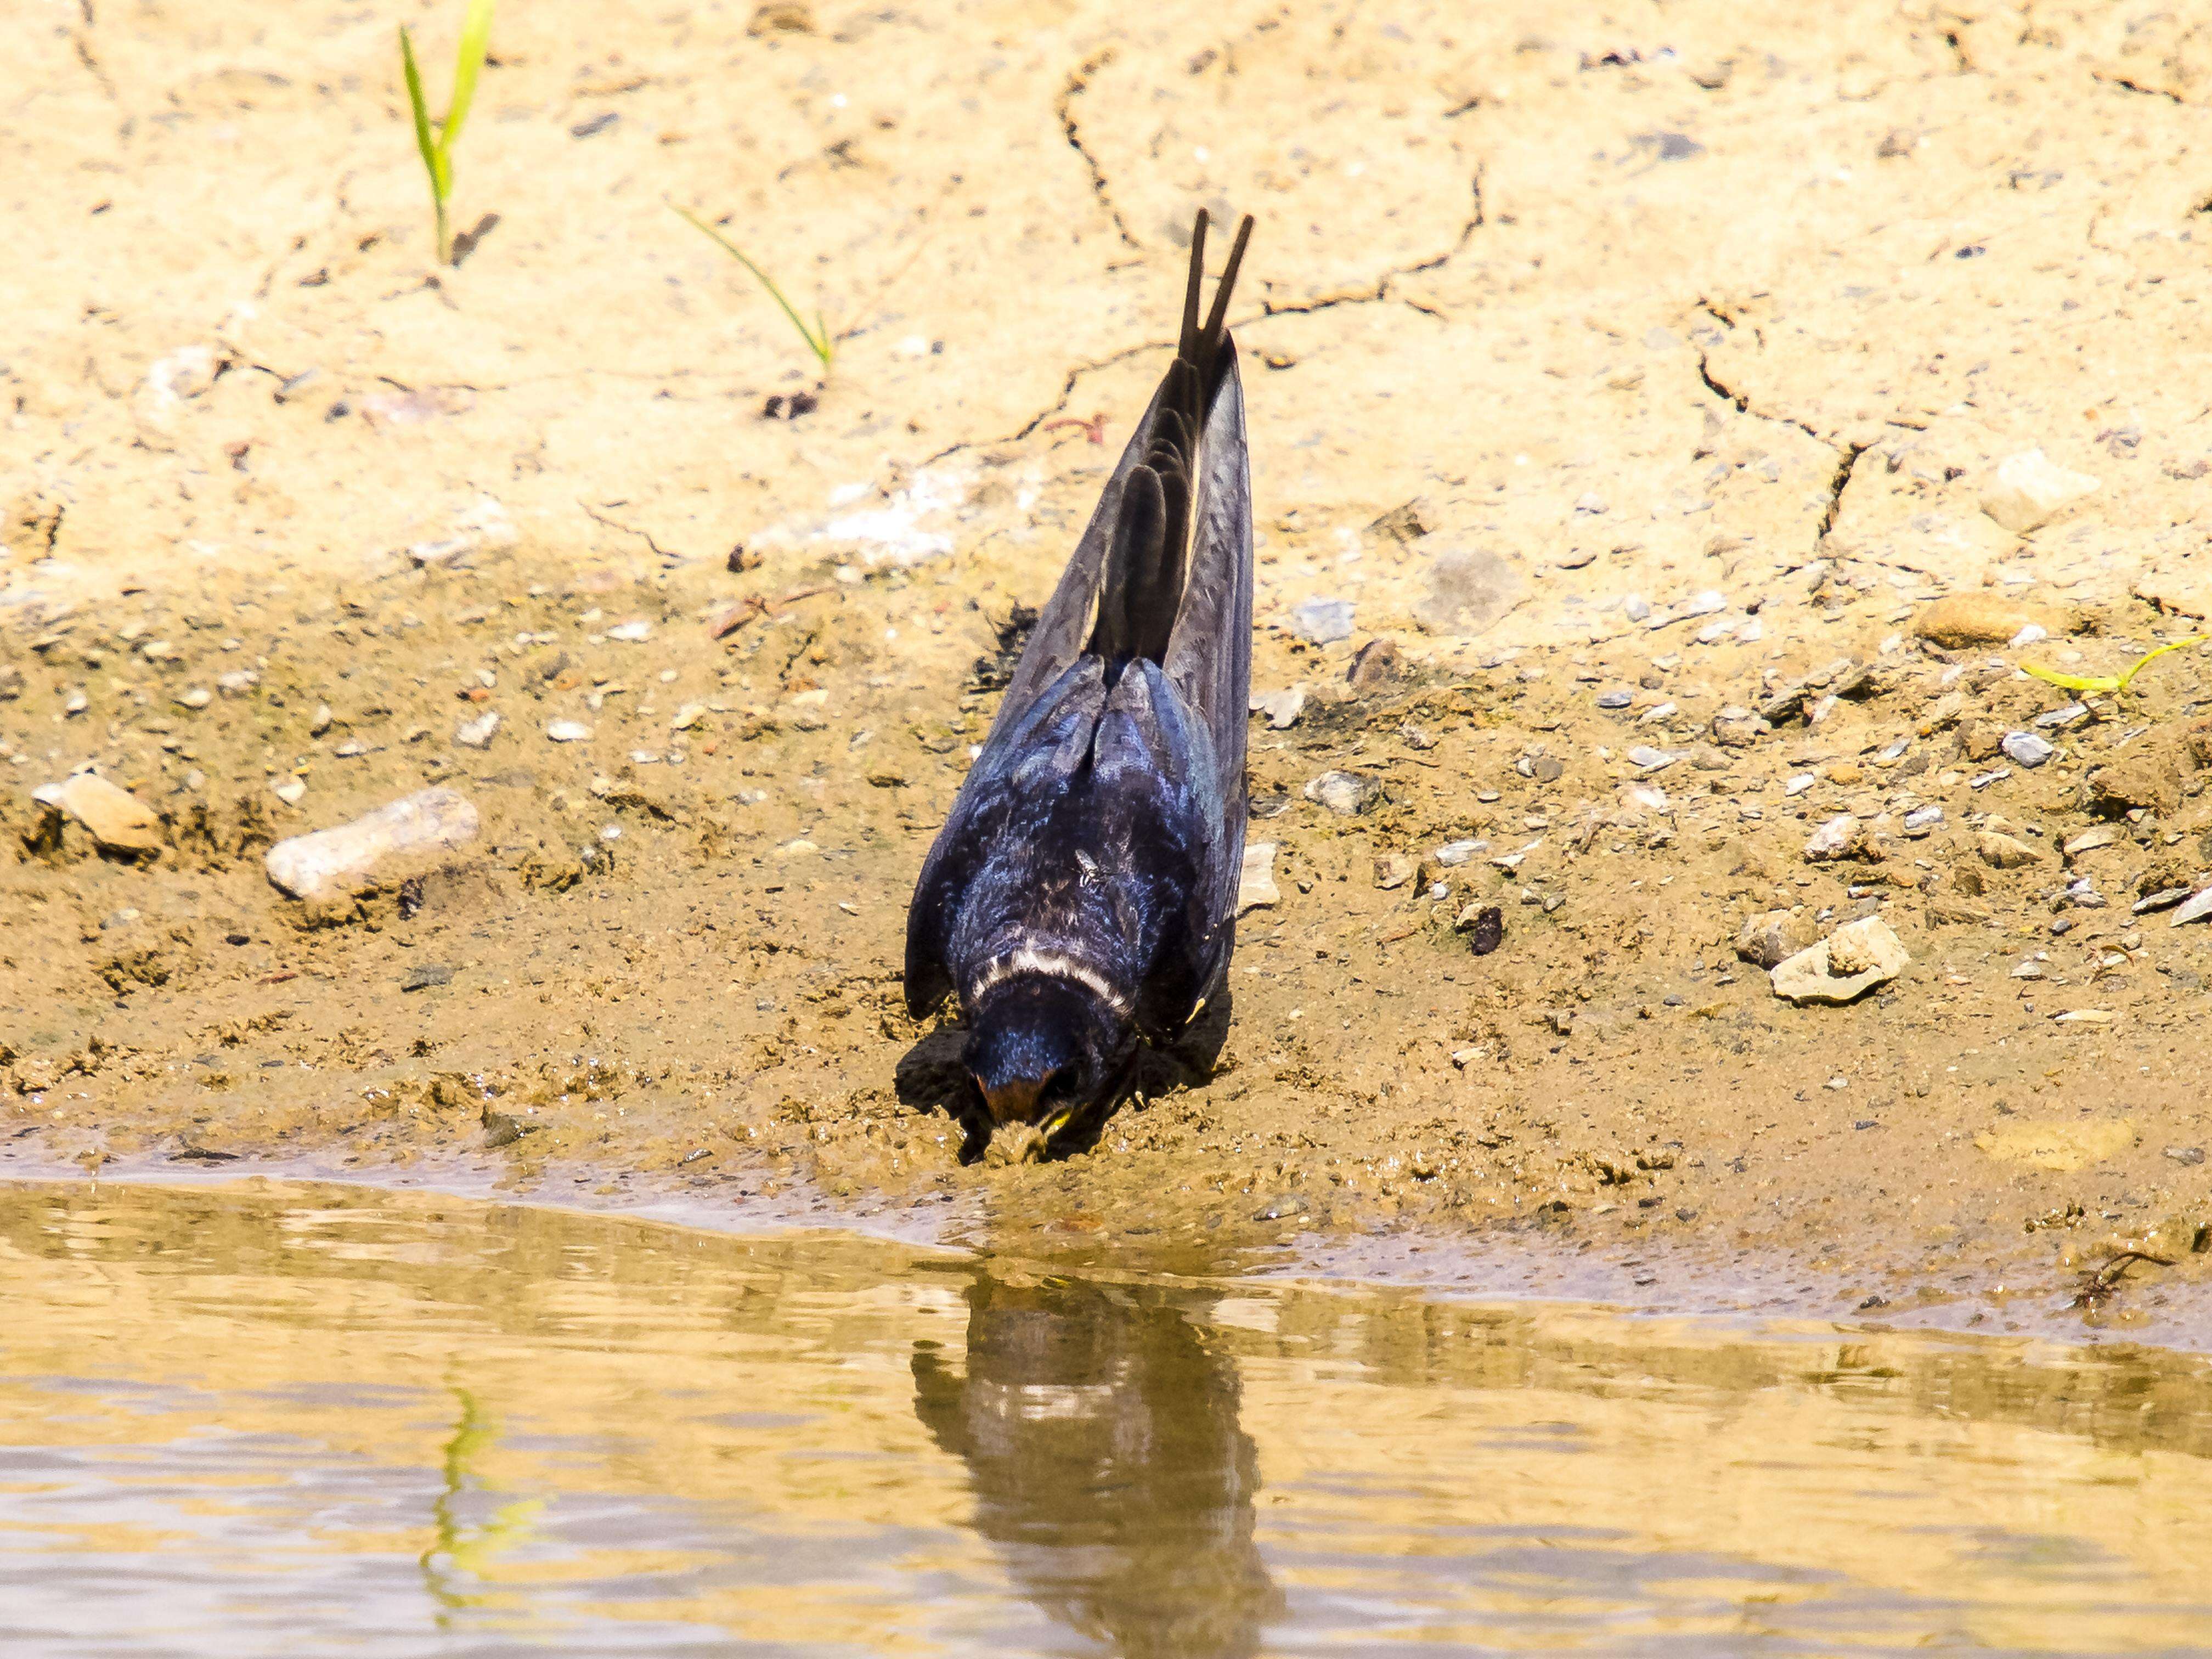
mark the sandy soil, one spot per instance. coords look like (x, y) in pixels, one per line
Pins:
(1673, 353)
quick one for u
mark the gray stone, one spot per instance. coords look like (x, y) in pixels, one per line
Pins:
(2196, 909)
(2026, 748)
(1322, 620)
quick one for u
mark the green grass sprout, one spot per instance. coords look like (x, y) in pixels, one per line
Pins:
(818, 339)
(2113, 683)
(438, 152)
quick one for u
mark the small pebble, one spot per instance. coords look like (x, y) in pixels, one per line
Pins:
(476, 733)
(631, 633)
(567, 732)
(2027, 748)
(1650, 759)
(1615, 699)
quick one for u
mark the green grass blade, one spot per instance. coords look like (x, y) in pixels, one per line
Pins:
(2114, 683)
(423, 139)
(476, 42)
(2072, 682)
(821, 345)
(2136, 667)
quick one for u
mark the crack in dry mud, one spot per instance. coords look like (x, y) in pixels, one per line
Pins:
(1079, 80)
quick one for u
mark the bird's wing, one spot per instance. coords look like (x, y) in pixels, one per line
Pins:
(1209, 656)
(1023, 766)
(1064, 623)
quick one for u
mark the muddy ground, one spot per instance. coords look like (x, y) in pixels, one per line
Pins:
(1653, 387)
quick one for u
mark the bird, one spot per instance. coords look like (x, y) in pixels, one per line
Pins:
(1080, 897)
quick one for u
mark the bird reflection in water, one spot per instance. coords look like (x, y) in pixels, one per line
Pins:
(1103, 1442)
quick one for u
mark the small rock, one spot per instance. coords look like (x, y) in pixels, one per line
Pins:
(321, 722)
(1344, 793)
(782, 17)
(1486, 925)
(1646, 759)
(195, 697)
(1921, 819)
(1615, 699)
(1959, 620)
(688, 715)
(2149, 783)
(2165, 899)
(1322, 620)
(290, 791)
(2058, 719)
(2003, 852)
(2030, 490)
(1376, 664)
(1406, 523)
(476, 733)
(631, 633)
(1394, 870)
(1454, 854)
(308, 867)
(114, 817)
(238, 682)
(1773, 936)
(1255, 879)
(2188, 1156)
(1799, 784)
(35, 1077)
(1738, 728)
(567, 732)
(1842, 967)
(2089, 841)
(2026, 749)
(1832, 840)
(1283, 708)
(2195, 909)
(424, 975)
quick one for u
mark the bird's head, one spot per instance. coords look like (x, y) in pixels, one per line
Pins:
(1043, 1050)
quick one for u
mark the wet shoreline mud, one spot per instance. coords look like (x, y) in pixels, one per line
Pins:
(1664, 484)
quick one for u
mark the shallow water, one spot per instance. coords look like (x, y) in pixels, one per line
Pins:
(268, 1420)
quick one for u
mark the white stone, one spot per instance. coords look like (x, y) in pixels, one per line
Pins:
(2030, 490)
(476, 733)
(1283, 708)
(1831, 839)
(567, 732)
(1255, 880)
(631, 633)
(328, 861)
(1845, 966)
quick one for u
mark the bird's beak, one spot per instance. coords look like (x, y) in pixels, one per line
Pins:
(1053, 1125)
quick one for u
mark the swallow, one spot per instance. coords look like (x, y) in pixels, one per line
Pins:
(1080, 899)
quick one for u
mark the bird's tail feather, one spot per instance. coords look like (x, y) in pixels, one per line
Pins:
(1141, 590)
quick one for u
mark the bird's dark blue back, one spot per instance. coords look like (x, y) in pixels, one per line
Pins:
(1098, 839)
